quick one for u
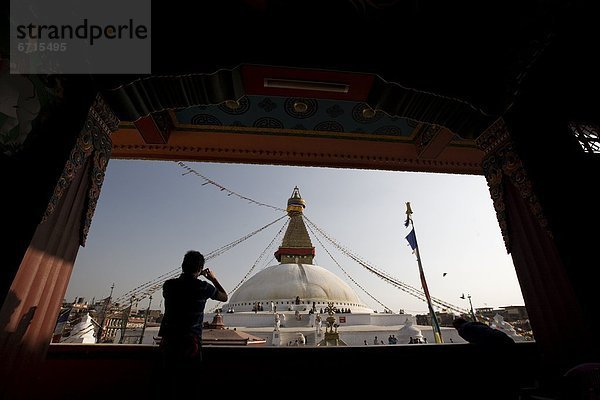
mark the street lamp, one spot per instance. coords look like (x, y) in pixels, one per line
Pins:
(471, 304)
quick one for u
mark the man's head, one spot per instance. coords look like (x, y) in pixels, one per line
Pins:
(193, 262)
(458, 322)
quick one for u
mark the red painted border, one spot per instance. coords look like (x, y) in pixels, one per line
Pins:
(149, 131)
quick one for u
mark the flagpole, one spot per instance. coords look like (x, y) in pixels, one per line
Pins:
(412, 240)
(471, 304)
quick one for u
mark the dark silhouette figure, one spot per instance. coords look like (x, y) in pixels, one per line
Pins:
(499, 343)
(181, 327)
(479, 333)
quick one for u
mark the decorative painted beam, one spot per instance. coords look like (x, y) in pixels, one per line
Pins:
(225, 144)
(155, 128)
(432, 140)
(146, 96)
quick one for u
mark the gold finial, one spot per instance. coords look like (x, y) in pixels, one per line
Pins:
(332, 337)
(330, 309)
(296, 203)
(408, 214)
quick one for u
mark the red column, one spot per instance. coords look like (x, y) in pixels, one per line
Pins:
(556, 316)
(31, 307)
(37, 291)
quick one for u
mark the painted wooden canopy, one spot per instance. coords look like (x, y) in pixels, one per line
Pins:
(265, 114)
(402, 85)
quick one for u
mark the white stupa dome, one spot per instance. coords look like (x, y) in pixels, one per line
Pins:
(283, 283)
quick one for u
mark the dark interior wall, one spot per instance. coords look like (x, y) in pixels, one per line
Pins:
(468, 50)
(563, 86)
(29, 176)
(450, 371)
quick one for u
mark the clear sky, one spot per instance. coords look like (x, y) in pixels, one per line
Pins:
(149, 214)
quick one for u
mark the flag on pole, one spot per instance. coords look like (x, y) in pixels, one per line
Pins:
(412, 239)
(437, 331)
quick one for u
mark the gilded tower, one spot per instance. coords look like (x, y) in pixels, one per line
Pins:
(296, 246)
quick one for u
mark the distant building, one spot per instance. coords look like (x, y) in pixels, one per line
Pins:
(444, 319)
(216, 334)
(509, 313)
(514, 313)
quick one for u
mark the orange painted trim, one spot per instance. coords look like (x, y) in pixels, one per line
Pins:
(215, 144)
(284, 132)
(437, 144)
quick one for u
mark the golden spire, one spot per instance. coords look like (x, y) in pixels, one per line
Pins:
(296, 246)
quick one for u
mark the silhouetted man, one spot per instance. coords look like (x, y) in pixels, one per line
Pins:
(181, 326)
(479, 333)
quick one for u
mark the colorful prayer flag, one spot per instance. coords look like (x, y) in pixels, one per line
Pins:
(412, 239)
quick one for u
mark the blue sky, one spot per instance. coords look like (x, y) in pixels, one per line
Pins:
(149, 214)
